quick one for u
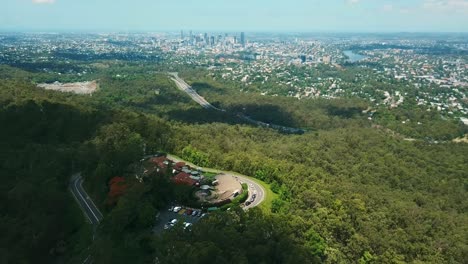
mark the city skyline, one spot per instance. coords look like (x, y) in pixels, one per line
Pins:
(246, 16)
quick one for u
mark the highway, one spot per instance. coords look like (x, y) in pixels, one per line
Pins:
(254, 187)
(183, 86)
(90, 210)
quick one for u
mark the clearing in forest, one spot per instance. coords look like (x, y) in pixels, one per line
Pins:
(76, 87)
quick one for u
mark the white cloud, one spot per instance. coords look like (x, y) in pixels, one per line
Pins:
(43, 1)
(388, 8)
(352, 2)
(446, 5)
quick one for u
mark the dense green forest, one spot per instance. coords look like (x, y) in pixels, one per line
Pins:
(348, 191)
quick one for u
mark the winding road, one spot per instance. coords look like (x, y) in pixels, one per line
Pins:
(87, 205)
(254, 187)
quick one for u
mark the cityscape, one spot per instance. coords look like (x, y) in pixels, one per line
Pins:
(429, 70)
(234, 132)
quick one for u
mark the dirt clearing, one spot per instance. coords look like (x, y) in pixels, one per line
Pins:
(77, 87)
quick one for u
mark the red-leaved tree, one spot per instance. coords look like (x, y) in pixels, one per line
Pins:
(117, 188)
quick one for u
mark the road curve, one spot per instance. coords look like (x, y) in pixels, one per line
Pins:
(87, 205)
(254, 187)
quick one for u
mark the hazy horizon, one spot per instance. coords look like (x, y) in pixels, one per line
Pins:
(338, 16)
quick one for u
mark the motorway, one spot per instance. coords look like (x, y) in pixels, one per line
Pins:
(87, 205)
(183, 86)
(254, 187)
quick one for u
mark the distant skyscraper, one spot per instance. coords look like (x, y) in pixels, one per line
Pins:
(212, 40)
(303, 58)
(182, 34)
(206, 39)
(242, 39)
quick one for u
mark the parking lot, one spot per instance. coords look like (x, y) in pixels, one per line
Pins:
(166, 216)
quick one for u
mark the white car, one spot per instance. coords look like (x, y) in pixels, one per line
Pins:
(186, 225)
(174, 221)
(177, 209)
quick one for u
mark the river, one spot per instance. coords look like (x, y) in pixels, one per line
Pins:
(354, 57)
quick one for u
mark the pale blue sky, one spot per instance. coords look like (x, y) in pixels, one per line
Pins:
(235, 15)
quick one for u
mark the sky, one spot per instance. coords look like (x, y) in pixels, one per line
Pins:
(235, 15)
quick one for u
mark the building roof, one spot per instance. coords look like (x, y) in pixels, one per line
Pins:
(159, 161)
(184, 178)
(179, 165)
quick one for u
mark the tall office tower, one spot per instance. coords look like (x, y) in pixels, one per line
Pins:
(212, 40)
(303, 58)
(205, 38)
(242, 39)
(190, 34)
(235, 39)
(182, 34)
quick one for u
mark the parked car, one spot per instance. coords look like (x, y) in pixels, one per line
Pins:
(186, 225)
(203, 215)
(177, 209)
(188, 212)
(247, 203)
(171, 209)
(174, 221)
(194, 213)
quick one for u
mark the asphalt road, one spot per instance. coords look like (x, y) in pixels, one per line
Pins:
(254, 187)
(87, 205)
(182, 85)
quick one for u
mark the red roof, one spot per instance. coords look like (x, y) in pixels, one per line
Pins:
(184, 178)
(159, 161)
(116, 179)
(179, 165)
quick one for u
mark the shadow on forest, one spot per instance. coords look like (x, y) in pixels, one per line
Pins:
(268, 113)
(204, 116)
(47, 122)
(203, 86)
(345, 111)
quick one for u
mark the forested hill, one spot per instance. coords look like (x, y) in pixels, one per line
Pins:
(346, 191)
